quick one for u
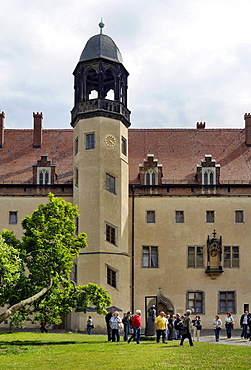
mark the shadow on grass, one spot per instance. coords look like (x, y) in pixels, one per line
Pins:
(34, 343)
(44, 342)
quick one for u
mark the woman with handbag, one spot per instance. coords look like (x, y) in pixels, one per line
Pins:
(229, 323)
(197, 327)
(115, 320)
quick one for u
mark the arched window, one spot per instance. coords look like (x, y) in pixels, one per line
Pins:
(44, 175)
(211, 178)
(205, 178)
(150, 177)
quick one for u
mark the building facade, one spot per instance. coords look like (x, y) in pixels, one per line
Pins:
(167, 211)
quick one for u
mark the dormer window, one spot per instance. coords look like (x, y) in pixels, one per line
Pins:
(208, 172)
(44, 176)
(44, 171)
(150, 178)
(150, 173)
(209, 177)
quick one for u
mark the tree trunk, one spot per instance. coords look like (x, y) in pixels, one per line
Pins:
(10, 311)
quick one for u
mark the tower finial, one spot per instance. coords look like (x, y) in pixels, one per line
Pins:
(101, 26)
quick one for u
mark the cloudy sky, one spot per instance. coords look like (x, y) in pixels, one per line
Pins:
(189, 60)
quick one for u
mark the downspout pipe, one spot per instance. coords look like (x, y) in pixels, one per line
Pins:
(133, 247)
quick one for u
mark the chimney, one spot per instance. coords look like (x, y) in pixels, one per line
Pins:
(201, 125)
(37, 136)
(247, 118)
(2, 117)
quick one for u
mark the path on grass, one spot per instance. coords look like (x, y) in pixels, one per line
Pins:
(237, 341)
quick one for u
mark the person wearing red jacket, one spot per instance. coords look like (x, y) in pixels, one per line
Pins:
(136, 325)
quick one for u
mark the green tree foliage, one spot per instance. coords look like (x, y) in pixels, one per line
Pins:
(35, 272)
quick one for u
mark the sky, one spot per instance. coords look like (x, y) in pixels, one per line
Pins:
(189, 60)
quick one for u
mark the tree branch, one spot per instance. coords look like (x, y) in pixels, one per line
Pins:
(10, 311)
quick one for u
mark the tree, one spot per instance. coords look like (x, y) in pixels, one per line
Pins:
(35, 272)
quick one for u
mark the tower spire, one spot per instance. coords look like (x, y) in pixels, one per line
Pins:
(101, 26)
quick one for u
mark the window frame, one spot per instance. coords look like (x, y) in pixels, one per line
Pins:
(233, 261)
(179, 217)
(149, 252)
(76, 146)
(43, 175)
(124, 146)
(150, 217)
(150, 177)
(198, 262)
(111, 234)
(237, 219)
(13, 218)
(210, 217)
(196, 308)
(110, 183)
(208, 176)
(76, 176)
(227, 299)
(90, 144)
(111, 277)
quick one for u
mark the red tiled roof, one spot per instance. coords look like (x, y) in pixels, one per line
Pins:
(18, 156)
(177, 150)
(180, 150)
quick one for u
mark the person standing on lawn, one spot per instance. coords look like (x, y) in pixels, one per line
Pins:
(108, 327)
(229, 323)
(127, 321)
(186, 331)
(161, 326)
(136, 325)
(89, 325)
(217, 324)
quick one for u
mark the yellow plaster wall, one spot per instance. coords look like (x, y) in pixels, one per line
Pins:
(173, 276)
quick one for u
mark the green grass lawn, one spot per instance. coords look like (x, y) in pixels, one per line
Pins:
(76, 351)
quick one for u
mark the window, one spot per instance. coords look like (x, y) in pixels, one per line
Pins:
(150, 257)
(12, 217)
(179, 217)
(110, 183)
(90, 141)
(210, 216)
(44, 175)
(123, 145)
(150, 178)
(150, 217)
(239, 216)
(195, 257)
(208, 176)
(231, 257)
(195, 301)
(76, 176)
(227, 302)
(111, 277)
(76, 146)
(77, 225)
(74, 273)
(110, 234)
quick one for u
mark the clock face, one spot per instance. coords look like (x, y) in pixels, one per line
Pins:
(110, 140)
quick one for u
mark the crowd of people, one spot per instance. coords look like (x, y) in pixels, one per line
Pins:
(168, 327)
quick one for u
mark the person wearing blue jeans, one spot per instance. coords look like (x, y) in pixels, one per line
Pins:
(217, 324)
(127, 321)
(244, 324)
(89, 325)
(136, 325)
(161, 326)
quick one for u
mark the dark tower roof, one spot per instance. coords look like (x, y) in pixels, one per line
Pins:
(101, 46)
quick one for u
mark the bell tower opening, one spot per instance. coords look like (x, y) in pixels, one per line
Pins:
(100, 82)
